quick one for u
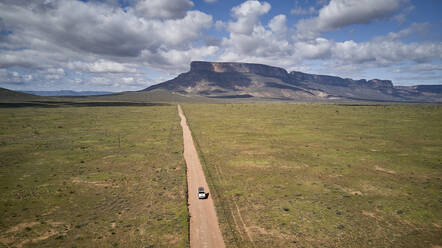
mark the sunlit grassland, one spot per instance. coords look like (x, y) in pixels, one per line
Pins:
(312, 175)
(92, 177)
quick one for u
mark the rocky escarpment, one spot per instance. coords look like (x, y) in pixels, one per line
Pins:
(236, 80)
(203, 75)
(338, 81)
(231, 67)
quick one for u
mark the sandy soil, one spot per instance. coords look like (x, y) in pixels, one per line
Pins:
(204, 226)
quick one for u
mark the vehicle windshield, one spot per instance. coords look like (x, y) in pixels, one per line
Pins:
(200, 190)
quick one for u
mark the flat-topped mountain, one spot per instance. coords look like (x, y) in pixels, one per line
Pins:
(209, 80)
(246, 80)
(223, 67)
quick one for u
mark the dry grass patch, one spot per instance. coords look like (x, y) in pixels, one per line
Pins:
(378, 168)
(312, 175)
(92, 177)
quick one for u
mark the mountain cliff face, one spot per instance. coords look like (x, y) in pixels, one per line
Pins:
(229, 67)
(245, 80)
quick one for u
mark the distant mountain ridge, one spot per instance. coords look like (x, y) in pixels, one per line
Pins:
(247, 80)
(66, 93)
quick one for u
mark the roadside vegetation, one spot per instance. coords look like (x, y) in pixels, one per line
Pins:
(92, 177)
(312, 175)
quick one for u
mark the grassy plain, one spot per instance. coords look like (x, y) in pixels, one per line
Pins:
(92, 177)
(312, 175)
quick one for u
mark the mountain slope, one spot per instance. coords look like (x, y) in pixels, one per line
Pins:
(6, 94)
(245, 80)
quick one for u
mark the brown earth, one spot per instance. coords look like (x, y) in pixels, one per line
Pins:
(204, 226)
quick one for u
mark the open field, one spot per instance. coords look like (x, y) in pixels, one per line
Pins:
(92, 177)
(311, 175)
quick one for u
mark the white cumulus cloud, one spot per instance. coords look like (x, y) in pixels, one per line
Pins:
(342, 13)
(101, 66)
(168, 9)
(247, 16)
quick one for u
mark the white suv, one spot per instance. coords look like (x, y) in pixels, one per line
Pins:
(201, 193)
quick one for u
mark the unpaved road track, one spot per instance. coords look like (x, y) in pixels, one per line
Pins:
(204, 226)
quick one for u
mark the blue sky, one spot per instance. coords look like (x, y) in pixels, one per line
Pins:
(118, 45)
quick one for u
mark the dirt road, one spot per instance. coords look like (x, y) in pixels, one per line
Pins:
(204, 226)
